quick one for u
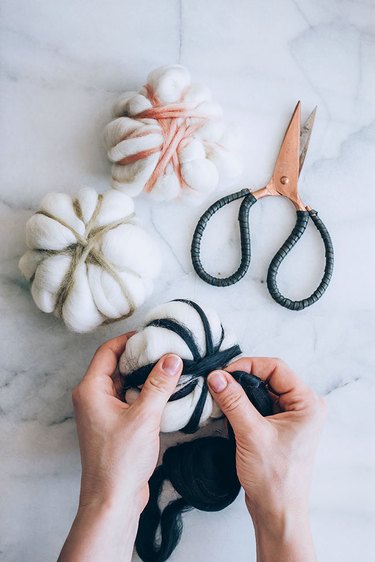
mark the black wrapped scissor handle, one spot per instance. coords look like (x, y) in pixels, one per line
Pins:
(245, 241)
(243, 219)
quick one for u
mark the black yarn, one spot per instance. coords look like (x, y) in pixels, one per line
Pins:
(203, 471)
(256, 391)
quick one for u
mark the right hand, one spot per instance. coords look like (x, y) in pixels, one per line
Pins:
(274, 455)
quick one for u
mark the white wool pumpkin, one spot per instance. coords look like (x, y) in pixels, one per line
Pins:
(169, 139)
(89, 261)
(151, 342)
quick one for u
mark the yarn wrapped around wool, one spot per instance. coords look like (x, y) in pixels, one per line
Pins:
(202, 471)
(169, 139)
(198, 337)
(89, 261)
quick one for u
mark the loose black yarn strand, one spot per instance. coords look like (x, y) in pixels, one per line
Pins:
(149, 520)
(171, 526)
(256, 391)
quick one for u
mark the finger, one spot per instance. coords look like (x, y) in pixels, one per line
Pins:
(160, 384)
(292, 392)
(232, 400)
(103, 367)
(106, 357)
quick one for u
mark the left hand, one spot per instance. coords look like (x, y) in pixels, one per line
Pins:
(119, 443)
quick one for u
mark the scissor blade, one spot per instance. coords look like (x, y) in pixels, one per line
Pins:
(286, 171)
(305, 137)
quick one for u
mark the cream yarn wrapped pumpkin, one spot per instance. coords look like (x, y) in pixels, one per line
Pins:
(89, 261)
(196, 334)
(169, 139)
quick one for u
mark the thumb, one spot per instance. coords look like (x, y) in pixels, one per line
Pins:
(160, 384)
(233, 402)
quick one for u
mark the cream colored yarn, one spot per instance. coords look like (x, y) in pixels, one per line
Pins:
(89, 261)
(169, 139)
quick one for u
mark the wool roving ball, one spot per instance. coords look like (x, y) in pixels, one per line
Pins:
(89, 261)
(169, 139)
(196, 334)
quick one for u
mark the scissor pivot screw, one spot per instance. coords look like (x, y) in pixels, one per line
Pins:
(284, 180)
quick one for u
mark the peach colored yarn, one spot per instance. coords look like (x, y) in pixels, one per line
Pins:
(176, 135)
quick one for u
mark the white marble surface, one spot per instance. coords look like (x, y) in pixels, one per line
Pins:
(63, 64)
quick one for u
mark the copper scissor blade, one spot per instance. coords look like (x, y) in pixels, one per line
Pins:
(305, 137)
(286, 171)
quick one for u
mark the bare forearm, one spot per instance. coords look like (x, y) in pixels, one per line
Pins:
(286, 537)
(102, 532)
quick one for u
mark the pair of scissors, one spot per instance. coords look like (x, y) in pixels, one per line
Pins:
(284, 182)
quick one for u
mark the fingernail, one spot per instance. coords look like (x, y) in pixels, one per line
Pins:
(217, 381)
(171, 364)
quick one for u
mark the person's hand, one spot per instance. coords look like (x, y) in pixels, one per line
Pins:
(274, 455)
(119, 443)
(119, 447)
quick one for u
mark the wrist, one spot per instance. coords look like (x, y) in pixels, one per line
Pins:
(279, 510)
(122, 506)
(281, 524)
(103, 529)
(108, 498)
(283, 534)
(120, 514)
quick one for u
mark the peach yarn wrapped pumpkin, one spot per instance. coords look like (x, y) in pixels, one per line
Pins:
(169, 139)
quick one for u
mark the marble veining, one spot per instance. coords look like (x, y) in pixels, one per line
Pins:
(63, 65)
